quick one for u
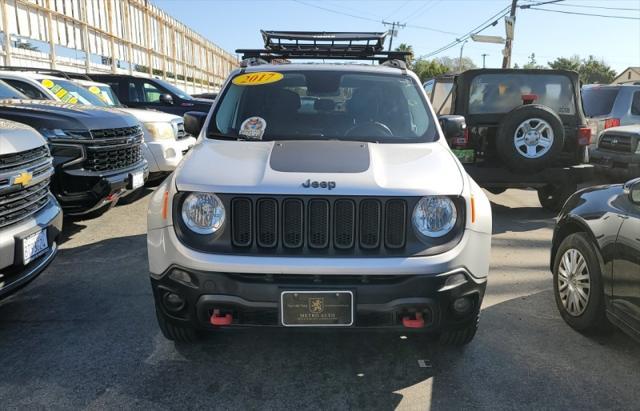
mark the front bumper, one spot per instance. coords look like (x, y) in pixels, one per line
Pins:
(80, 191)
(13, 273)
(379, 301)
(616, 165)
(164, 156)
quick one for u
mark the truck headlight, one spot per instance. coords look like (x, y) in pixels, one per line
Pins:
(161, 130)
(203, 213)
(434, 216)
(60, 134)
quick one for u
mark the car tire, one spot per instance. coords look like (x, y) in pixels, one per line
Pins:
(552, 197)
(180, 334)
(513, 143)
(590, 316)
(457, 337)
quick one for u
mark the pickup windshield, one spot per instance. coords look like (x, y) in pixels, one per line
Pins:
(324, 105)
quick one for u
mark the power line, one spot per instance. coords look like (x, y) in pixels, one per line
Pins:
(491, 21)
(581, 14)
(398, 9)
(584, 6)
(336, 11)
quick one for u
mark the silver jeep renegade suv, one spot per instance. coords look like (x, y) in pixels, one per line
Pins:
(320, 195)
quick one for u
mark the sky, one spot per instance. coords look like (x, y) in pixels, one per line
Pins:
(233, 24)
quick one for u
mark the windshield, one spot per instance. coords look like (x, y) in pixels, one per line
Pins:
(69, 92)
(323, 105)
(6, 91)
(598, 101)
(501, 93)
(105, 93)
(173, 89)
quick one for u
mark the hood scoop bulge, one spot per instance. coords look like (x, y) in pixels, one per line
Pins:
(320, 157)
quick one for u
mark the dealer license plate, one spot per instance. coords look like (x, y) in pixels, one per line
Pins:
(34, 245)
(465, 156)
(316, 308)
(137, 180)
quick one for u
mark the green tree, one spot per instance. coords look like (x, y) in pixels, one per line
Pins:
(591, 70)
(453, 63)
(425, 69)
(406, 47)
(563, 63)
(532, 63)
(596, 71)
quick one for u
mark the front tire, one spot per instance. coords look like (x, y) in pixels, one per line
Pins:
(552, 197)
(577, 284)
(180, 334)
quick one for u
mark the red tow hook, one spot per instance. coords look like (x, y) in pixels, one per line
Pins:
(417, 322)
(219, 319)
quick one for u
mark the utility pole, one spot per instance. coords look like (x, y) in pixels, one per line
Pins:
(393, 30)
(484, 56)
(506, 60)
(460, 60)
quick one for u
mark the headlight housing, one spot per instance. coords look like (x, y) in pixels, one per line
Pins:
(60, 134)
(434, 216)
(161, 130)
(203, 213)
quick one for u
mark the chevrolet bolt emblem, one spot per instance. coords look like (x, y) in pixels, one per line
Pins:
(23, 178)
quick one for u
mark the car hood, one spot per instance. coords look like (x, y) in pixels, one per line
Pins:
(147, 116)
(51, 114)
(18, 137)
(320, 168)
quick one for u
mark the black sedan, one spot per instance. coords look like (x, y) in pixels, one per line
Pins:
(595, 259)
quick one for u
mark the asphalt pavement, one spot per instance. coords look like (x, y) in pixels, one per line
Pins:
(84, 336)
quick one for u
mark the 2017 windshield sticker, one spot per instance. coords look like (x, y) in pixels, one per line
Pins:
(255, 79)
(253, 128)
(59, 91)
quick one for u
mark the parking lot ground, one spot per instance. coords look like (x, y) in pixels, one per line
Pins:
(84, 336)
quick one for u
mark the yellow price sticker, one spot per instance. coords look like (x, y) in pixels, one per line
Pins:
(47, 83)
(255, 79)
(94, 90)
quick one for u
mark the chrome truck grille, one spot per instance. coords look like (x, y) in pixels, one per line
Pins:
(24, 184)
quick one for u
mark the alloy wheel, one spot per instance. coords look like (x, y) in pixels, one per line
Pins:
(533, 138)
(574, 282)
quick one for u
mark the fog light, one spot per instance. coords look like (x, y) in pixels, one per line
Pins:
(462, 305)
(181, 277)
(173, 302)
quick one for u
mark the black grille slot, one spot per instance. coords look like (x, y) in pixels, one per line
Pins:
(318, 223)
(107, 158)
(292, 223)
(344, 214)
(23, 158)
(20, 204)
(267, 214)
(395, 223)
(241, 227)
(616, 142)
(369, 224)
(116, 132)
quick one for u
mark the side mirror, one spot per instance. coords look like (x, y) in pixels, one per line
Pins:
(633, 189)
(194, 121)
(452, 126)
(166, 99)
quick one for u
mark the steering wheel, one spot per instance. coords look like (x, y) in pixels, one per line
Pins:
(370, 129)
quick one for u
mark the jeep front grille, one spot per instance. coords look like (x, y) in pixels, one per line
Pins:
(18, 202)
(333, 224)
(618, 142)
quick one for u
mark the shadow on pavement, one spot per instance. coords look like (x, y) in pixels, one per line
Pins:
(520, 219)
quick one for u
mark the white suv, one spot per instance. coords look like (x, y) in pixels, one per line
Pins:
(349, 210)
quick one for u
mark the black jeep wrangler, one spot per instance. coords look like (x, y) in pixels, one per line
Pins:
(525, 129)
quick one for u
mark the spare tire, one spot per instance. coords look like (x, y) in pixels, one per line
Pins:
(530, 137)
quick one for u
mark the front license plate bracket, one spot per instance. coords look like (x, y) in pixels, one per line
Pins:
(326, 308)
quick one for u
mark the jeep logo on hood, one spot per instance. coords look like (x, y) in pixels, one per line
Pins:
(330, 185)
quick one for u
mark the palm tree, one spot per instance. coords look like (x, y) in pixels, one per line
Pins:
(406, 48)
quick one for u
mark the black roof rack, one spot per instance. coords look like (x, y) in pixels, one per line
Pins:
(288, 45)
(59, 73)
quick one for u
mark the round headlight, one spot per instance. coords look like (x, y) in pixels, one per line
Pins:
(203, 213)
(434, 216)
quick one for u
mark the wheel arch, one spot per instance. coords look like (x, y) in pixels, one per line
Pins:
(567, 226)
